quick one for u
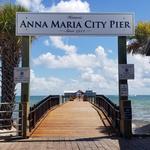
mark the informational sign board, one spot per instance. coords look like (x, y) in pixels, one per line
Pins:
(117, 24)
(127, 113)
(126, 71)
(123, 90)
(21, 75)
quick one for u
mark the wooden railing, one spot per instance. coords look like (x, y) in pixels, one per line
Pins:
(110, 109)
(11, 118)
(39, 109)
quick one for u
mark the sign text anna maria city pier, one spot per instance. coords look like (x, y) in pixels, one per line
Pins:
(119, 24)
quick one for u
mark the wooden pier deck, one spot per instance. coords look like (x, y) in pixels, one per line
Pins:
(73, 119)
(66, 143)
(74, 143)
(75, 125)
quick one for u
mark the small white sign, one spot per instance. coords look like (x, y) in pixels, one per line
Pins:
(126, 71)
(21, 75)
(123, 89)
(120, 24)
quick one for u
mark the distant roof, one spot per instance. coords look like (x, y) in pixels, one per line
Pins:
(79, 91)
(69, 91)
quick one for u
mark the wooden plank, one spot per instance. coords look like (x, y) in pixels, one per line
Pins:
(80, 145)
(7, 146)
(50, 143)
(92, 144)
(110, 144)
(75, 118)
(68, 143)
(62, 143)
(74, 145)
(99, 145)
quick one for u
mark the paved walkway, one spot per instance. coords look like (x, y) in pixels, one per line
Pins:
(73, 119)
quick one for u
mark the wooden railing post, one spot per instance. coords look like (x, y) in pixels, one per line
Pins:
(20, 133)
(30, 119)
(34, 118)
(114, 118)
(25, 118)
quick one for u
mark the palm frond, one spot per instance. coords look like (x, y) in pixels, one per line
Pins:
(142, 34)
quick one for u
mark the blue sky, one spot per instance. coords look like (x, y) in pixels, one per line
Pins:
(71, 63)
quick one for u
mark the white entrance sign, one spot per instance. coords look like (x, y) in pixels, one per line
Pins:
(123, 89)
(21, 75)
(126, 71)
(117, 24)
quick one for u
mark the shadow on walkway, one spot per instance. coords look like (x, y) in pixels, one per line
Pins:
(79, 143)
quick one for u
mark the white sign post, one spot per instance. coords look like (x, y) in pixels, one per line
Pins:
(74, 24)
(126, 71)
(21, 75)
(123, 89)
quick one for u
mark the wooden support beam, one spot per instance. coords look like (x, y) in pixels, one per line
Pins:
(25, 87)
(125, 123)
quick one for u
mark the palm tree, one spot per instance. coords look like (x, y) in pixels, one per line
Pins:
(139, 43)
(10, 49)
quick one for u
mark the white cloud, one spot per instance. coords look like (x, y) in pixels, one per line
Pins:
(98, 79)
(110, 51)
(46, 43)
(71, 6)
(67, 61)
(140, 85)
(45, 85)
(97, 70)
(91, 76)
(79, 61)
(33, 5)
(26, 3)
(101, 52)
(62, 6)
(59, 43)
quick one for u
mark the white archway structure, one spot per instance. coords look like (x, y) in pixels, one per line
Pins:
(81, 24)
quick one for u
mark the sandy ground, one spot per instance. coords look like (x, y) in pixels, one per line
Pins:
(11, 132)
(141, 127)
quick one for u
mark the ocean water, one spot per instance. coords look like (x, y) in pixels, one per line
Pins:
(140, 106)
(140, 112)
(33, 99)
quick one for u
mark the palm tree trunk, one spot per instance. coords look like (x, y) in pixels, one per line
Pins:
(8, 60)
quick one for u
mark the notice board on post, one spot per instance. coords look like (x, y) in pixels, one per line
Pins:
(21, 75)
(126, 71)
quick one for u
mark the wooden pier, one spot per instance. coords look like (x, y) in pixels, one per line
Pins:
(74, 143)
(75, 125)
(73, 119)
